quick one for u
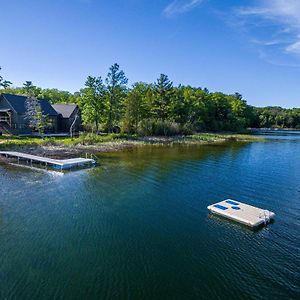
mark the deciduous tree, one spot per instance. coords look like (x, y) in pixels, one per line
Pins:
(135, 106)
(93, 101)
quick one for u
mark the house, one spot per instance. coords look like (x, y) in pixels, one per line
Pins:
(62, 117)
(69, 117)
(13, 115)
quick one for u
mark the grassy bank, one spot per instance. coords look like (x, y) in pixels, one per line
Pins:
(60, 146)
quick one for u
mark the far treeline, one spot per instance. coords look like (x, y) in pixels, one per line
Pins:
(159, 108)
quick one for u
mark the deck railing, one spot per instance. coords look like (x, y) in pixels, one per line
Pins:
(4, 119)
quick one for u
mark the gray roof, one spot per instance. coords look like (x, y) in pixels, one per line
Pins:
(18, 104)
(65, 110)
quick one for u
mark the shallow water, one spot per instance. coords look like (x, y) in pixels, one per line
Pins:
(137, 226)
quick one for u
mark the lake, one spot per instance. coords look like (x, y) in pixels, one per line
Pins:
(137, 226)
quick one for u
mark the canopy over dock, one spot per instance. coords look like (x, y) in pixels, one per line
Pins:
(62, 164)
(242, 213)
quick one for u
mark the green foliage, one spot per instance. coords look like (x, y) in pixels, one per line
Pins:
(136, 107)
(163, 92)
(30, 89)
(116, 92)
(55, 96)
(52, 95)
(160, 108)
(277, 117)
(93, 102)
(151, 127)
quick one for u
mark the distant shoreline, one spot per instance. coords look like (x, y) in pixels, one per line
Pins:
(274, 129)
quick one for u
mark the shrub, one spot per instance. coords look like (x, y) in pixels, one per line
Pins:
(186, 129)
(150, 127)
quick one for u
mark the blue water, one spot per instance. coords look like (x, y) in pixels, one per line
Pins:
(137, 226)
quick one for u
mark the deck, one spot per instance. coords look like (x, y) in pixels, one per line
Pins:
(61, 164)
(242, 213)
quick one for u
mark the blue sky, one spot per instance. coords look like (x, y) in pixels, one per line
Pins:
(252, 47)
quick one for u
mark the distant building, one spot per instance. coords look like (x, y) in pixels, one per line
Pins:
(13, 116)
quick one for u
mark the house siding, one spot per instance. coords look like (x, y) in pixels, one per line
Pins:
(14, 117)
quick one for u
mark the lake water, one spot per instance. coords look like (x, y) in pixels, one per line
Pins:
(137, 226)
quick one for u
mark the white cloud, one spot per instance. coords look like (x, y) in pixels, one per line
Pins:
(270, 42)
(294, 48)
(284, 15)
(180, 6)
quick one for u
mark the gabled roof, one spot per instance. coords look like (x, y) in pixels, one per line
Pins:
(65, 110)
(17, 102)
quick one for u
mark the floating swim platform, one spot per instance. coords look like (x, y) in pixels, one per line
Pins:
(242, 213)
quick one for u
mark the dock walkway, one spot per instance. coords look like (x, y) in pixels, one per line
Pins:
(62, 164)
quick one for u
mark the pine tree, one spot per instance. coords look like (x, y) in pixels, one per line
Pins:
(116, 91)
(29, 88)
(163, 96)
(4, 83)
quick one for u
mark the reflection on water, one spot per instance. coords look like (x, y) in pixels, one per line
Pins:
(137, 226)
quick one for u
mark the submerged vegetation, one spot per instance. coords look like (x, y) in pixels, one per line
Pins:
(159, 108)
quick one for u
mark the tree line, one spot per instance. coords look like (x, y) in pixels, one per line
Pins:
(159, 108)
(277, 117)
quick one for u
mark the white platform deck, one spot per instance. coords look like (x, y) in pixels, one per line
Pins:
(62, 164)
(242, 213)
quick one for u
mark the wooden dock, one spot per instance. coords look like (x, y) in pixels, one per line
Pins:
(60, 164)
(242, 213)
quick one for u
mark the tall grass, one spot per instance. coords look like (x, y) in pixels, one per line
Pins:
(150, 127)
(93, 139)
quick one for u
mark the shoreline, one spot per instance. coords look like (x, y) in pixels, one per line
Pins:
(91, 144)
